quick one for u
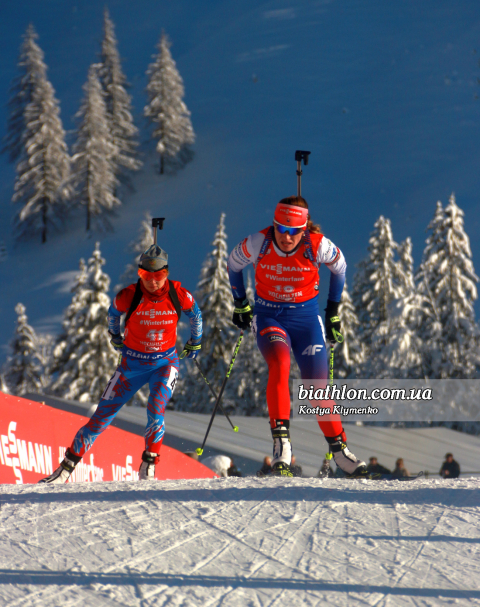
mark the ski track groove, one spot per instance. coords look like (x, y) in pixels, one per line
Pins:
(218, 511)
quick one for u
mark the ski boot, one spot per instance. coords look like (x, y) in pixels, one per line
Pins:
(282, 449)
(146, 471)
(63, 472)
(345, 459)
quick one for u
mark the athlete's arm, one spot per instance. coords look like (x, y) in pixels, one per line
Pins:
(244, 253)
(333, 258)
(120, 305)
(192, 311)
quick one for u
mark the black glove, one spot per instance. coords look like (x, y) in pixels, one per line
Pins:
(191, 349)
(116, 341)
(332, 322)
(243, 314)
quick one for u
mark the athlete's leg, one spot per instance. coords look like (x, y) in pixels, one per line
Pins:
(274, 343)
(308, 344)
(162, 384)
(128, 378)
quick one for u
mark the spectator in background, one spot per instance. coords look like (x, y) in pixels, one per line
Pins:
(267, 466)
(400, 470)
(450, 468)
(221, 465)
(375, 468)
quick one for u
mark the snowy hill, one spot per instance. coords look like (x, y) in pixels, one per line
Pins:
(237, 542)
(384, 95)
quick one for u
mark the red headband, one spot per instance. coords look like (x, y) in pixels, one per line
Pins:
(290, 216)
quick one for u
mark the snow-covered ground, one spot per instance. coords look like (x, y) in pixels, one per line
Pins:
(239, 542)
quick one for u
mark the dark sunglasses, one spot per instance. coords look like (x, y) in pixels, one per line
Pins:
(284, 230)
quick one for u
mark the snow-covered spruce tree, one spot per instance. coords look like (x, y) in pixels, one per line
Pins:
(396, 347)
(123, 131)
(447, 279)
(93, 166)
(43, 168)
(166, 109)
(137, 247)
(24, 369)
(214, 298)
(379, 282)
(84, 358)
(248, 386)
(350, 354)
(31, 66)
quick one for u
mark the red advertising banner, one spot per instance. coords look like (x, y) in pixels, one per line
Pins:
(34, 437)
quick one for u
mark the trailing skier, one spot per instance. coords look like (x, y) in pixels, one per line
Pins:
(286, 257)
(147, 355)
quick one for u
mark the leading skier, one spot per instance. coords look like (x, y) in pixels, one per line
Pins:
(286, 257)
(147, 354)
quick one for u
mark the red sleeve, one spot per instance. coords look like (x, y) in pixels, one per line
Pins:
(185, 298)
(123, 299)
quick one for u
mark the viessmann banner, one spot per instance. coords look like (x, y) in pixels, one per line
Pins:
(33, 439)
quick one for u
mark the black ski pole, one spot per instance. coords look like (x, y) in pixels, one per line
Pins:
(299, 156)
(234, 428)
(199, 450)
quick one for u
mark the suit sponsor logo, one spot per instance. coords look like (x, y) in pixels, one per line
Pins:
(279, 268)
(152, 313)
(272, 330)
(156, 322)
(273, 338)
(244, 249)
(312, 350)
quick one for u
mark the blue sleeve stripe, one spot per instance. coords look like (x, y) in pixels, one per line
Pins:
(196, 323)
(114, 320)
(337, 282)
(237, 284)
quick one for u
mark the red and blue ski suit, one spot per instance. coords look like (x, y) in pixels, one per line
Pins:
(286, 314)
(148, 356)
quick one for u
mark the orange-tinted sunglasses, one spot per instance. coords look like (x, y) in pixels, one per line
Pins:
(148, 276)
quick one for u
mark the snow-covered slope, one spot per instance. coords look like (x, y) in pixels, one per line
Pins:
(383, 94)
(238, 542)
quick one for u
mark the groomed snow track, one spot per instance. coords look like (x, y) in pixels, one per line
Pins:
(238, 542)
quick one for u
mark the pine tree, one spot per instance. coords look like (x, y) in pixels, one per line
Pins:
(214, 298)
(166, 108)
(379, 280)
(38, 140)
(447, 279)
(84, 358)
(118, 102)
(248, 385)
(396, 348)
(350, 354)
(94, 153)
(137, 247)
(24, 370)
(31, 67)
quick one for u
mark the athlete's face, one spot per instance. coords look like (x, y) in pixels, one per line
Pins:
(154, 284)
(286, 242)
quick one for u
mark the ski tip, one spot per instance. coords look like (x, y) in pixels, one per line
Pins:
(199, 451)
(235, 428)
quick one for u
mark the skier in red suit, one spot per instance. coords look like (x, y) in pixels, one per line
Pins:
(147, 355)
(286, 257)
